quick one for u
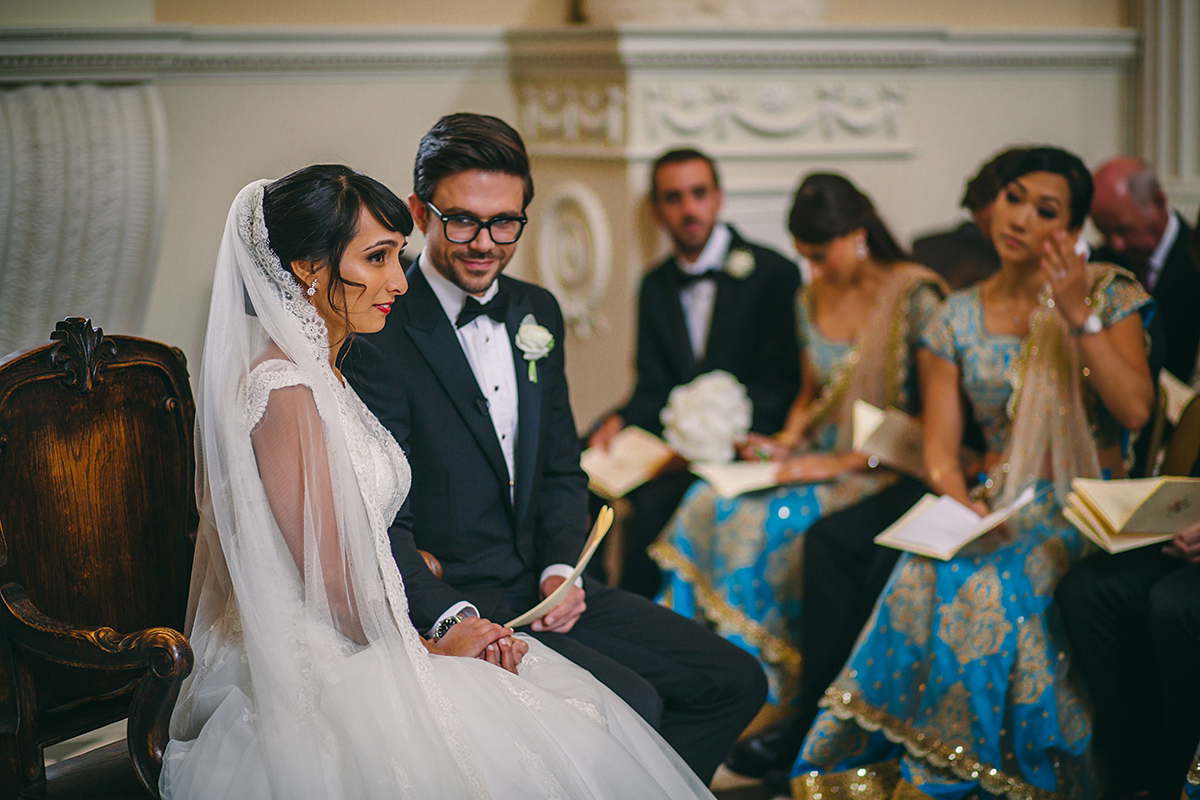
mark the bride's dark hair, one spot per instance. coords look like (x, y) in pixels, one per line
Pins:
(312, 215)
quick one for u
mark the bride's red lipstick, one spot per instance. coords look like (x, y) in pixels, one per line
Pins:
(385, 308)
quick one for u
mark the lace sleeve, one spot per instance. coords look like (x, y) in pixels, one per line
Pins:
(289, 448)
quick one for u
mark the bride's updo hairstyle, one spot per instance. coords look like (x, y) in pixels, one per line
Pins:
(312, 215)
(828, 205)
(1059, 162)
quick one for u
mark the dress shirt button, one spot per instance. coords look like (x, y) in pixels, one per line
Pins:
(512, 483)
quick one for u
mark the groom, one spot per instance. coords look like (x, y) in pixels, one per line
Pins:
(467, 378)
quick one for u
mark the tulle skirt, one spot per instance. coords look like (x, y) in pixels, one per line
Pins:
(551, 732)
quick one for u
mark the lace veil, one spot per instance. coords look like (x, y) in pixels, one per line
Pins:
(282, 651)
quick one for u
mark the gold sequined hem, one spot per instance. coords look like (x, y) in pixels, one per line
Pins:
(773, 649)
(876, 782)
(848, 706)
(1193, 776)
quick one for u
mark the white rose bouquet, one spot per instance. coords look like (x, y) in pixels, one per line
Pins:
(705, 418)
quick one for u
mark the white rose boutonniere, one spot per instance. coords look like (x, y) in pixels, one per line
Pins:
(740, 263)
(703, 419)
(535, 342)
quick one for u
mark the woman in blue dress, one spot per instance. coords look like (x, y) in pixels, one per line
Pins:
(959, 683)
(735, 562)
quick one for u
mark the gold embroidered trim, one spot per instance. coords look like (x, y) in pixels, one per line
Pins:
(1193, 776)
(774, 649)
(877, 782)
(848, 706)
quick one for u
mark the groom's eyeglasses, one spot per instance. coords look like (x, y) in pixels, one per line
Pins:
(463, 228)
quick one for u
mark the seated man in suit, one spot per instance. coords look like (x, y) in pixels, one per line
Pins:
(1143, 234)
(966, 255)
(468, 375)
(1133, 620)
(717, 302)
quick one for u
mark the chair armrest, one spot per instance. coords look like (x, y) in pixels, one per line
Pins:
(432, 562)
(163, 650)
(163, 653)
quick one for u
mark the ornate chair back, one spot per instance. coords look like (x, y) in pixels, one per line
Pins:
(97, 502)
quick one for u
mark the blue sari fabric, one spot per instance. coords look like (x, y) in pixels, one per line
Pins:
(735, 563)
(961, 675)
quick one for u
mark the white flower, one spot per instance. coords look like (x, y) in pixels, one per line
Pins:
(740, 263)
(705, 418)
(535, 342)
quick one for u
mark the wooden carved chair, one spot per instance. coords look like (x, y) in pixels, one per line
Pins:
(96, 507)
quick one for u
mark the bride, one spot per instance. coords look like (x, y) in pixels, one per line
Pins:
(310, 681)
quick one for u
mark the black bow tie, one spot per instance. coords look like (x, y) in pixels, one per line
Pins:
(496, 308)
(688, 278)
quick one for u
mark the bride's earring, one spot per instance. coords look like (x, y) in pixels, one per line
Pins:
(312, 288)
(860, 248)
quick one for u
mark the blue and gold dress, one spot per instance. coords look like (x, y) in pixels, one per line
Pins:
(959, 681)
(736, 562)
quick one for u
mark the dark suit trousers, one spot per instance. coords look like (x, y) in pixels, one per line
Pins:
(1133, 620)
(844, 572)
(653, 504)
(697, 689)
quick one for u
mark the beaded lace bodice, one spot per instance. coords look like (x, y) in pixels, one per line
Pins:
(379, 464)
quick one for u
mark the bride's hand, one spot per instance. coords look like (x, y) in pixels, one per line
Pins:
(474, 637)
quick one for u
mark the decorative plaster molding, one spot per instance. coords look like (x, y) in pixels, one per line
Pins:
(574, 114)
(125, 54)
(726, 12)
(772, 111)
(650, 48)
(574, 255)
(82, 189)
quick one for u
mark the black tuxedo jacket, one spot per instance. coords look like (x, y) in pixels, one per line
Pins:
(1177, 294)
(752, 336)
(416, 378)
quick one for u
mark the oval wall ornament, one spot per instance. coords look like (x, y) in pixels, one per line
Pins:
(574, 255)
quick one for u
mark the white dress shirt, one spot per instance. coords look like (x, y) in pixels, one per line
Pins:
(489, 352)
(698, 298)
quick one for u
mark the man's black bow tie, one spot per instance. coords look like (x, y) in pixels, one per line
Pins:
(496, 308)
(687, 278)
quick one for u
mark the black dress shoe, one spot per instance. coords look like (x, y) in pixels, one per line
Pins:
(771, 752)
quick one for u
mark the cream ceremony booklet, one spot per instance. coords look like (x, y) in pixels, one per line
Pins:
(890, 435)
(938, 527)
(1124, 514)
(633, 457)
(733, 478)
(603, 522)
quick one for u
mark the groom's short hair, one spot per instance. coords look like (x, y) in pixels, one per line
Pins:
(460, 142)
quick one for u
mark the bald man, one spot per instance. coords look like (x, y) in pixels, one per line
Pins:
(1143, 234)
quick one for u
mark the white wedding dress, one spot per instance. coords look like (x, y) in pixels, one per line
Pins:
(311, 682)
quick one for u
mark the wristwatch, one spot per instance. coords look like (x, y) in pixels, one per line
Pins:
(443, 627)
(1091, 324)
